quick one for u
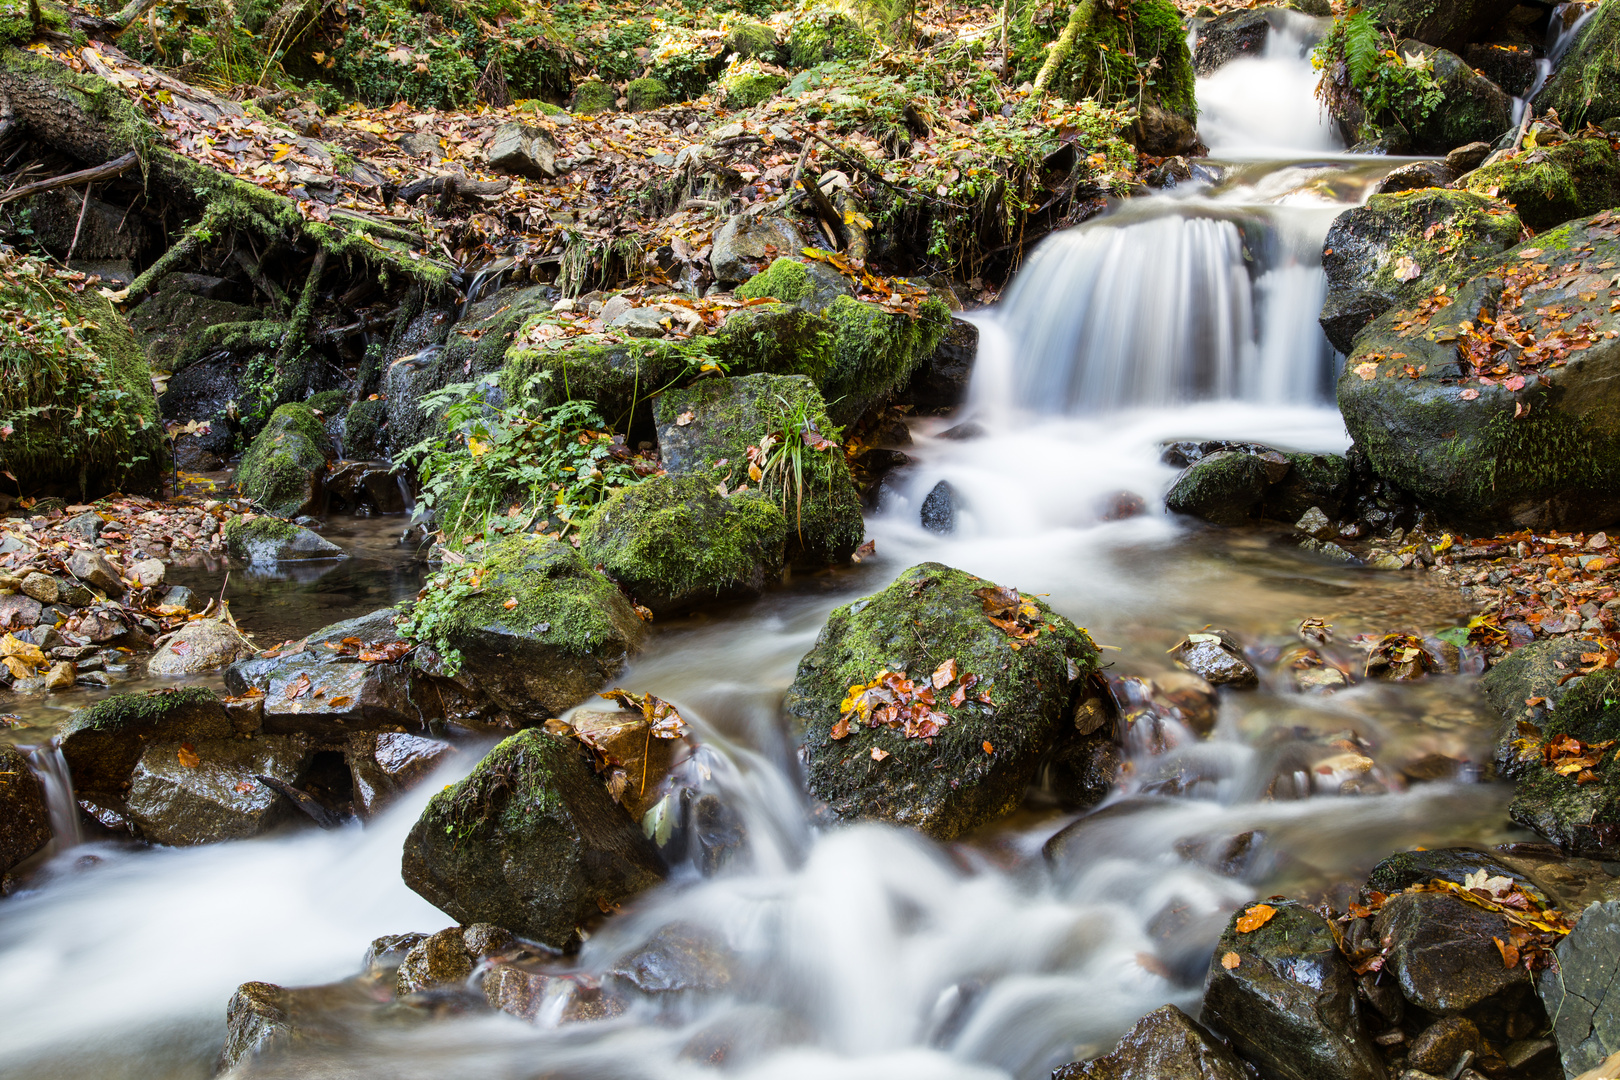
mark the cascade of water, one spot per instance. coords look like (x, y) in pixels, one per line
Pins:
(52, 770)
(1562, 31)
(1265, 106)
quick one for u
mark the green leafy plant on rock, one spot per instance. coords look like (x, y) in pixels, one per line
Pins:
(1362, 72)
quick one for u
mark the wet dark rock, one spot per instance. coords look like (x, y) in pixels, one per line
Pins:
(1442, 1044)
(1549, 185)
(367, 485)
(1441, 952)
(1166, 1044)
(530, 841)
(1451, 25)
(1162, 133)
(92, 568)
(439, 960)
(1419, 174)
(200, 645)
(1289, 1004)
(1230, 36)
(939, 508)
(745, 245)
(387, 953)
(1537, 670)
(955, 783)
(1475, 109)
(1217, 659)
(964, 432)
(1582, 995)
(941, 382)
(1122, 505)
(1512, 67)
(217, 795)
(265, 541)
(386, 764)
(256, 1023)
(102, 743)
(1408, 868)
(679, 958)
(25, 821)
(203, 391)
(282, 471)
(332, 696)
(1585, 87)
(1225, 487)
(1365, 246)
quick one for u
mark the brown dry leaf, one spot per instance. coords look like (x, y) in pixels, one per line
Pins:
(188, 756)
(297, 688)
(865, 551)
(385, 654)
(1255, 918)
(879, 754)
(685, 418)
(1510, 953)
(944, 675)
(1231, 960)
(509, 603)
(340, 702)
(840, 730)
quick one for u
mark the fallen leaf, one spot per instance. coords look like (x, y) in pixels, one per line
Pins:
(188, 756)
(341, 701)
(865, 551)
(1231, 960)
(1407, 269)
(1255, 918)
(879, 754)
(685, 418)
(988, 748)
(297, 688)
(945, 674)
(509, 603)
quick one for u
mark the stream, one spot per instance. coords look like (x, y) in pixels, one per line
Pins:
(867, 951)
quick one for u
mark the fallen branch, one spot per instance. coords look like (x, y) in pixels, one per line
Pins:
(116, 167)
(451, 187)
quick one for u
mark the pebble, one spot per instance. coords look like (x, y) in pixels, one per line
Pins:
(41, 587)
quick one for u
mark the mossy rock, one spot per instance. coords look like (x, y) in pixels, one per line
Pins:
(1550, 185)
(81, 412)
(365, 433)
(1450, 24)
(594, 96)
(677, 544)
(1586, 86)
(876, 352)
(570, 632)
(168, 324)
(1226, 487)
(644, 94)
(730, 415)
(530, 841)
(1366, 245)
(328, 402)
(776, 339)
(1536, 670)
(266, 540)
(283, 468)
(979, 765)
(813, 286)
(102, 742)
(1545, 456)
(747, 90)
(1103, 62)
(620, 377)
(1582, 818)
(749, 40)
(823, 35)
(1474, 110)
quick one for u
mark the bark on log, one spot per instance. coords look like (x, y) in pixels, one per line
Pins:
(116, 167)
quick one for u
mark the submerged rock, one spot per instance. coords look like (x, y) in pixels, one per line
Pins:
(1166, 1044)
(283, 469)
(676, 543)
(975, 765)
(265, 541)
(679, 958)
(1286, 998)
(25, 821)
(530, 841)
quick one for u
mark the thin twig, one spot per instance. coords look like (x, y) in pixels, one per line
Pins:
(116, 167)
(84, 204)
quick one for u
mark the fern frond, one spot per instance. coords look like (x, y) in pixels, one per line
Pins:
(1361, 48)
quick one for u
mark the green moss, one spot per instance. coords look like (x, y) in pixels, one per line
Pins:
(823, 35)
(747, 90)
(876, 351)
(620, 378)
(21, 21)
(1551, 185)
(242, 531)
(176, 326)
(1586, 86)
(594, 96)
(676, 543)
(328, 402)
(784, 280)
(748, 40)
(484, 804)
(778, 339)
(1104, 63)
(363, 434)
(123, 712)
(102, 742)
(278, 470)
(644, 94)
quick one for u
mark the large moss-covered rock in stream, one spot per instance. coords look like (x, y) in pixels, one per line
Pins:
(1166, 1044)
(102, 742)
(25, 821)
(264, 541)
(283, 469)
(1583, 818)
(1585, 88)
(569, 631)
(1488, 456)
(621, 377)
(1245, 481)
(530, 841)
(1552, 184)
(981, 761)
(676, 543)
(876, 350)
(1397, 249)
(1537, 670)
(776, 339)
(169, 325)
(203, 792)
(1450, 24)
(1289, 1003)
(78, 402)
(717, 420)
(1474, 110)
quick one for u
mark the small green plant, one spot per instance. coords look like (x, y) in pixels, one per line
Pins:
(508, 467)
(778, 463)
(1358, 69)
(428, 619)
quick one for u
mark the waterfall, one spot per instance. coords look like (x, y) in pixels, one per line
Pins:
(52, 770)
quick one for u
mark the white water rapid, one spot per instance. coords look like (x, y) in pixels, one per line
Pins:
(868, 953)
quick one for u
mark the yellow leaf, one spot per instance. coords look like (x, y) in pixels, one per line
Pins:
(18, 669)
(476, 447)
(1368, 370)
(1231, 960)
(1255, 918)
(188, 757)
(282, 151)
(855, 217)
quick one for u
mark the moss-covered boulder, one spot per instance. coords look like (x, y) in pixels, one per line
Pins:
(1579, 811)
(876, 351)
(1451, 24)
(776, 339)
(365, 430)
(283, 469)
(824, 34)
(1475, 109)
(1552, 184)
(813, 286)
(749, 40)
(621, 377)
(530, 841)
(676, 543)
(169, 323)
(648, 93)
(1005, 706)
(102, 742)
(1485, 447)
(594, 96)
(1585, 88)
(77, 404)
(707, 429)
(1226, 488)
(566, 632)
(746, 89)
(1396, 249)
(265, 541)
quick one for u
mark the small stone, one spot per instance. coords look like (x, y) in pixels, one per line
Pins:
(41, 587)
(1315, 523)
(938, 512)
(1443, 1043)
(1597, 542)
(439, 960)
(642, 322)
(1215, 660)
(527, 151)
(87, 525)
(1322, 680)
(93, 569)
(60, 676)
(147, 572)
(180, 596)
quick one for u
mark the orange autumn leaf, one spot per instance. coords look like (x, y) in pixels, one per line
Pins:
(988, 748)
(1255, 918)
(879, 754)
(188, 756)
(1231, 960)
(509, 603)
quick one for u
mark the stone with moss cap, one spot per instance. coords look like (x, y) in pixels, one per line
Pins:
(676, 543)
(570, 631)
(620, 377)
(748, 39)
(822, 34)
(927, 616)
(530, 841)
(648, 93)
(1475, 109)
(729, 415)
(364, 433)
(747, 89)
(594, 96)
(876, 352)
(283, 468)
(1586, 86)
(1488, 457)
(1552, 184)
(102, 742)
(1582, 818)
(1366, 247)
(1450, 24)
(776, 339)
(810, 285)
(265, 541)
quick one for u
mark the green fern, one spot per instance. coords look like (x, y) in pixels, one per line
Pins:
(1361, 51)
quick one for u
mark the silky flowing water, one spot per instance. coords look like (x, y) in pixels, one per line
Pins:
(867, 951)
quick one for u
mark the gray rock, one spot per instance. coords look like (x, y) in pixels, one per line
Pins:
(1582, 994)
(17, 610)
(525, 150)
(92, 568)
(256, 1023)
(421, 143)
(102, 742)
(745, 245)
(200, 645)
(1226, 488)
(1289, 1004)
(530, 841)
(265, 541)
(332, 696)
(1419, 174)
(180, 596)
(1315, 523)
(41, 587)
(148, 573)
(1216, 659)
(386, 764)
(938, 512)
(88, 525)
(218, 798)
(678, 958)
(640, 322)
(439, 960)
(25, 822)
(1230, 36)
(1166, 1044)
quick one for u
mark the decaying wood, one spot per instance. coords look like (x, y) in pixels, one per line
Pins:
(116, 167)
